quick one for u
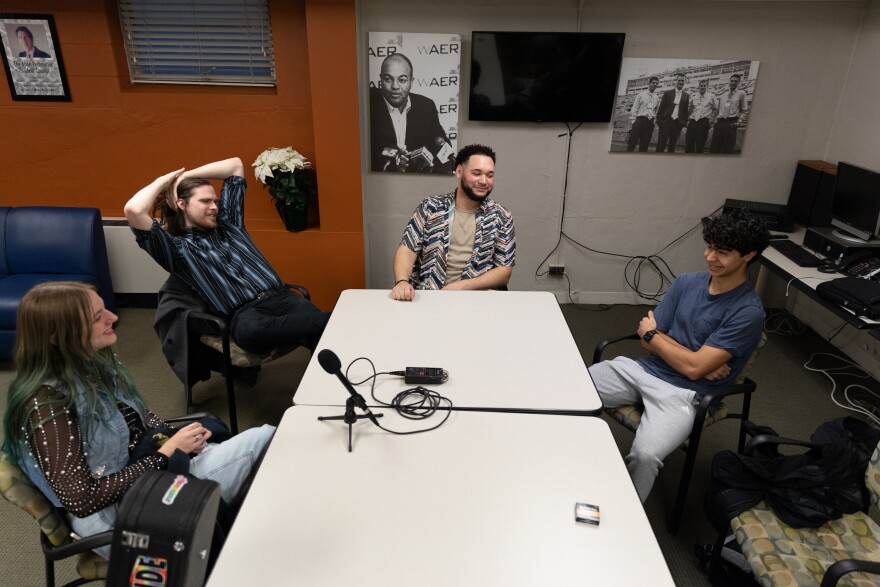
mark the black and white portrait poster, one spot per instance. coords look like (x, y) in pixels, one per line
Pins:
(693, 106)
(414, 98)
(31, 57)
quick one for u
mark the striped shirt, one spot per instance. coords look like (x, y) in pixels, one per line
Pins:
(428, 232)
(223, 265)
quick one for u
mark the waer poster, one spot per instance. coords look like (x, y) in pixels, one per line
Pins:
(414, 85)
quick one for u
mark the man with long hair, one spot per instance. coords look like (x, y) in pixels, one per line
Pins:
(202, 240)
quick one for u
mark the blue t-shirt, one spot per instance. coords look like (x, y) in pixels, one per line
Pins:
(731, 321)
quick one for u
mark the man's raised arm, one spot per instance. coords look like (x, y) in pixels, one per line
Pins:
(217, 169)
(137, 209)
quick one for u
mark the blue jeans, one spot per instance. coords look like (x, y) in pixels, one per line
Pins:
(228, 463)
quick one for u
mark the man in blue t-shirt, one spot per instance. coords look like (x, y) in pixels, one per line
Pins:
(699, 338)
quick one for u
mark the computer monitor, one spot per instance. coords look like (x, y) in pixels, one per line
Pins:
(855, 207)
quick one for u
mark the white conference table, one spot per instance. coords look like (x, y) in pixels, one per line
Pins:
(504, 351)
(487, 499)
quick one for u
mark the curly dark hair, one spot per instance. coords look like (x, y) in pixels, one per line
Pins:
(471, 150)
(737, 230)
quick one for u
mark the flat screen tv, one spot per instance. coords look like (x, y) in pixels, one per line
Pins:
(855, 206)
(544, 77)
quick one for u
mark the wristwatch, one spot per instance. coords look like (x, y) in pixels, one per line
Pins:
(649, 335)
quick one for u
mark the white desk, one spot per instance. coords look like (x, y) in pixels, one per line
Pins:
(487, 499)
(806, 279)
(509, 351)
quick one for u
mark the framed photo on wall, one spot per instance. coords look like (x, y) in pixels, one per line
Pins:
(414, 98)
(683, 106)
(32, 58)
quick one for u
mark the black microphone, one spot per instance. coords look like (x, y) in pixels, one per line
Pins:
(442, 150)
(331, 364)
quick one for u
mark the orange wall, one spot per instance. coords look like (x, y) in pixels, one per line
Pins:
(114, 136)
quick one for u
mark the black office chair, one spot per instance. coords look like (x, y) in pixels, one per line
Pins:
(631, 415)
(213, 331)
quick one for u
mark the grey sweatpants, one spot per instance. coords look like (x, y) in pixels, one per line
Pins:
(666, 422)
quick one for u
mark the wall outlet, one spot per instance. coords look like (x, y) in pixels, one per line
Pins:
(557, 270)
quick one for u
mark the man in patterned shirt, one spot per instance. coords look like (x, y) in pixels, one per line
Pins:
(204, 243)
(459, 240)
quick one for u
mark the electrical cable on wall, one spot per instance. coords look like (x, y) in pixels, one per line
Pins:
(635, 263)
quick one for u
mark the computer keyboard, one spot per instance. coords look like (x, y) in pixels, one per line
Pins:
(796, 253)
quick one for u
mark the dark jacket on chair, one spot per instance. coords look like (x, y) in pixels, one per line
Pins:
(189, 359)
(804, 490)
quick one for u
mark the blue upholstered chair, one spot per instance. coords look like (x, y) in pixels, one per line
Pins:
(48, 243)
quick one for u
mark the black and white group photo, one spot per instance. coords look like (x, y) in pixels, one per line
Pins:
(692, 106)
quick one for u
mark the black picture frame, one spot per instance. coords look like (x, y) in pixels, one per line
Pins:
(39, 77)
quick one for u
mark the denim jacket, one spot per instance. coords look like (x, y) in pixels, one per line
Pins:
(105, 438)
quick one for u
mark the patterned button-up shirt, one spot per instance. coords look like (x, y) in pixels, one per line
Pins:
(428, 233)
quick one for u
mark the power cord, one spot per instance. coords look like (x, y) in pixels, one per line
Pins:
(868, 410)
(782, 322)
(415, 403)
(634, 264)
(836, 331)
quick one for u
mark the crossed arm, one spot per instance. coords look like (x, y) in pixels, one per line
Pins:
(137, 209)
(705, 363)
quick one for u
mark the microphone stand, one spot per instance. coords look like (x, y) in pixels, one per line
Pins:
(349, 417)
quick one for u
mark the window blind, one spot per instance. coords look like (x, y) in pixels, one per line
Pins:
(220, 42)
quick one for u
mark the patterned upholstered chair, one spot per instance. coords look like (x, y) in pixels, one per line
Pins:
(213, 331)
(54, 530)
(630, 417)
(845, 551)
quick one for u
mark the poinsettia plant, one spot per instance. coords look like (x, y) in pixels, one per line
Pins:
(287, 174)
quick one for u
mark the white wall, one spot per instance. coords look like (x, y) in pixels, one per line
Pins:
(635, 204)
(855, 136)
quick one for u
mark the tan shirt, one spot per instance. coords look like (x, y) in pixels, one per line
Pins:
(461, 243)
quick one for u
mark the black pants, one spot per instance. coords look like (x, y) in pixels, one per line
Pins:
(281, 319)
(640, 134)
(697, 133)
(668, 135)
(724, 136)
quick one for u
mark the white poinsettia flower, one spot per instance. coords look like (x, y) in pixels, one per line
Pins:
(286, 160)
(262, 172)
